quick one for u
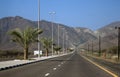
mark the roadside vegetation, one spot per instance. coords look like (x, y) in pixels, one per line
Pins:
(11, 54)
(46, 42)
(109, 54)
(57, 49)
(25, 38)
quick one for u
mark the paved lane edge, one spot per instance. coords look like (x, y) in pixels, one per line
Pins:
(109, 72)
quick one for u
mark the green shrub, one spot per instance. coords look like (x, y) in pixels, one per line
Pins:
(10, 53)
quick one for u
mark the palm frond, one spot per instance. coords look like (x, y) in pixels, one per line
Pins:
(46, 42)
(17, 36)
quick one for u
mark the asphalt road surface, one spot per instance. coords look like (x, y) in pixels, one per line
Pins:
(111, 66)
(72, 65)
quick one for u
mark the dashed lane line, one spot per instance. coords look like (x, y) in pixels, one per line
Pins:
(47, 74)
(54, 68)
(59, 65)
(62, 63)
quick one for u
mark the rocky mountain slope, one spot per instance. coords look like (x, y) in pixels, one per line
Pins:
(73, 35)
(108, 34)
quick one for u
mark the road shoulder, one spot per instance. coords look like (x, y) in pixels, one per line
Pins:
(100, 66)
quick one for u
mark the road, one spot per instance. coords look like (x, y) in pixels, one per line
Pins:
(115, 67)
(72, 65)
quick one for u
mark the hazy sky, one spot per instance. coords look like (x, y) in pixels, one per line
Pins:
(92, 14)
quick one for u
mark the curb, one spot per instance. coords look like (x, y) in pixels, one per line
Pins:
(22, 64)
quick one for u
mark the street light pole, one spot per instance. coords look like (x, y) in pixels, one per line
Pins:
(118, 41)
(38, 27)
(58, 34)
(63, 39)
(66, 43)
(52, 14)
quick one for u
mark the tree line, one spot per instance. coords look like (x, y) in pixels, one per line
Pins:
(28, 36)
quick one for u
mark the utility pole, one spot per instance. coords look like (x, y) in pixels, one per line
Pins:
(88, 46)
(118, 41)
(92, 47)
(99, 45)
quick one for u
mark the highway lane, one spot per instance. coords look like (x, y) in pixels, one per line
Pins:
(112, 66)
(77, 66)
(34, 70)
(66, 66)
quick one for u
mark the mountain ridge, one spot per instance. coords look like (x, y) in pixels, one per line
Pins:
(9, 23)
(75, 36)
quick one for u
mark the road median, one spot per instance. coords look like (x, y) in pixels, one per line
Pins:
(16, 63)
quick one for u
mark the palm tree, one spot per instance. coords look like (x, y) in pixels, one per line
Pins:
(57, 49)
(25, 38)
(46, 44)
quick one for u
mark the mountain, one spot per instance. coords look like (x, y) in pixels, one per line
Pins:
(85, 34)
(73, 35)
(108, 34)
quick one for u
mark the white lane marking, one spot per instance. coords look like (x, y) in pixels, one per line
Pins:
(47, 74)
(54, 68)
(62, 63)
(59, 65)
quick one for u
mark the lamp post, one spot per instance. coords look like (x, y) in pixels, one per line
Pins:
(63, 38)
(118, 41)
(52, 14)
(58, 37)
(66, 41)
(58, 34)
(38, 27)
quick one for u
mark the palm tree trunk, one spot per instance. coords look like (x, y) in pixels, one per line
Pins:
(46, 52)
(26, 53)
